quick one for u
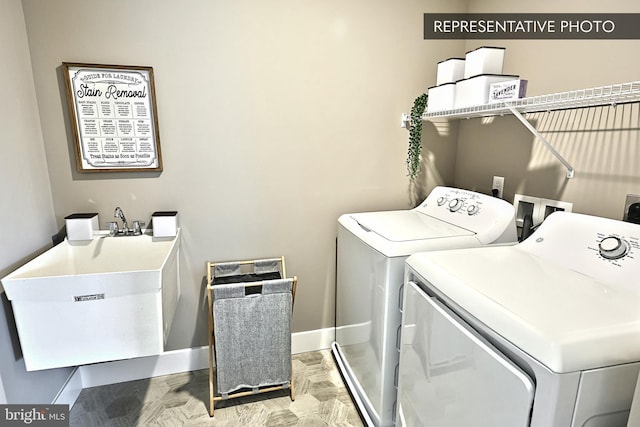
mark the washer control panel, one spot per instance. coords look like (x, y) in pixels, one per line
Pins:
(462, 201)
(491, 218)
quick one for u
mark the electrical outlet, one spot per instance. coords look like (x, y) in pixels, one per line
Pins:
(498, 184)
(405, 120)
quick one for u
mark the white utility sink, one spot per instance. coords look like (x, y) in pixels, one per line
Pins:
(93, 301)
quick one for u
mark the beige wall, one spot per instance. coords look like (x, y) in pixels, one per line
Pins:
(27, 215)
(600, 143)
(275, 118)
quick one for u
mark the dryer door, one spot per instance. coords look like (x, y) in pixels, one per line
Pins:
(451, 376)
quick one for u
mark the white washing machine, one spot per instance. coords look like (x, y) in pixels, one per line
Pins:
(372, 249)
(545, 333)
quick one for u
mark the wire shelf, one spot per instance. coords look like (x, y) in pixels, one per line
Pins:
(621, 93)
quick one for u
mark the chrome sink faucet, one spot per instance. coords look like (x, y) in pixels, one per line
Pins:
(126, 231)
(120, 215)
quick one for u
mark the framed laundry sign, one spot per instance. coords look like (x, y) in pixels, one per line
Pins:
(114, 117)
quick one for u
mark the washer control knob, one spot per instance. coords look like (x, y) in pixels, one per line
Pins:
(613, 247)
(441, 200)
(472, 210)
(455, 205)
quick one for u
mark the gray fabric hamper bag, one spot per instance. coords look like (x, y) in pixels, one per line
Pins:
(252, 335)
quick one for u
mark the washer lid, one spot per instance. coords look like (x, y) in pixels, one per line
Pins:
(566, 320)
(403, 226)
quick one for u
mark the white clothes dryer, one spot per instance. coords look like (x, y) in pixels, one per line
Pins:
(545, 333)
(372, 249)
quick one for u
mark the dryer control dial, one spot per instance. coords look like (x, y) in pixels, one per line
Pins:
(455, 204)
(441, 200)
(472, 209)
(612, 247)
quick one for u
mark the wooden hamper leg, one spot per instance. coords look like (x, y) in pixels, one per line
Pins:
(211, 344)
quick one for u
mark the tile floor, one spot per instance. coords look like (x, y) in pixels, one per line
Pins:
(183, 400)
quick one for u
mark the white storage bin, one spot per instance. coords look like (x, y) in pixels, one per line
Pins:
(81, 226)
(484, 60)
(475, 90)
(165, 223)
(441, 97)
(450, 71)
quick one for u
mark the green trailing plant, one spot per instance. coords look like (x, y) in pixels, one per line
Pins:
(415, 135)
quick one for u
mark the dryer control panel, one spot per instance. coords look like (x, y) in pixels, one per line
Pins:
(613, 247)
(603, 248)
(491, 218)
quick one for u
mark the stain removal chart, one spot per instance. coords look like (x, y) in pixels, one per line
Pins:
(113, 113)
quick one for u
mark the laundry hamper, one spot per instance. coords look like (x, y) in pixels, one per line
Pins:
(250, 306)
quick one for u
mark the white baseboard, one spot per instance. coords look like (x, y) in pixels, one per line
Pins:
(318, 339)
(169, 362)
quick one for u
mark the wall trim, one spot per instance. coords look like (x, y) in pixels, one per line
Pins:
(71, 389)
(169, 362)
(318, 339)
